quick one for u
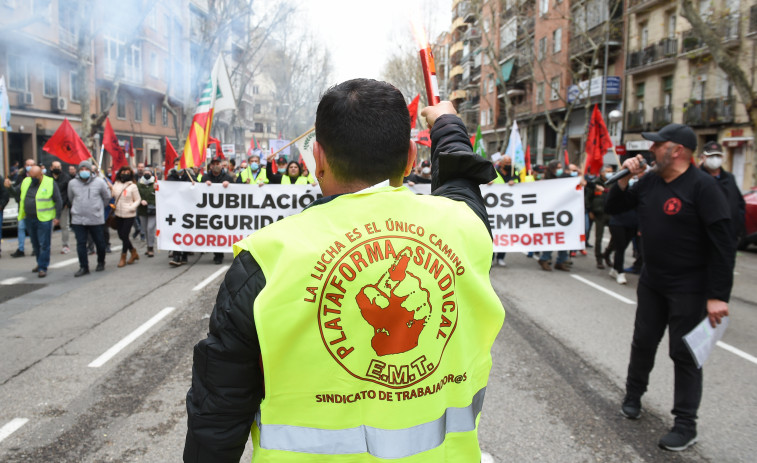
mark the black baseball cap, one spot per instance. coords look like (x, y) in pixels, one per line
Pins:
(677, 133)
(712, 148)
(426, 163)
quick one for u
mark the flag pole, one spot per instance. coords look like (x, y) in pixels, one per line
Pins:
(100, 160)
(273, 155)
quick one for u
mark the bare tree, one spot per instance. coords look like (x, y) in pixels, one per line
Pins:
(725, 61)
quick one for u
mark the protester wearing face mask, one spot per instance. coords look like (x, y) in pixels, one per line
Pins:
(252, 172)
(39, 204)
(423, 177)
(146, 209)
(15, 190)
(712, 162)
(217, 175)
(127, 198)
(89, 196)
(61, 179)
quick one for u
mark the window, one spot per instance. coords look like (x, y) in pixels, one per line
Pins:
(542, 48)
(167, 26)
(121, 106)
(259, 127)
(114, 46)
(508, 33)
(491, 85)
(154, 65)
(67, 24)
(103, 100)
(540, 93)
(51, 81)
(18, 78)
(154, 19)
(257, 109)
(164, 116)
(667, 90)
(255, 91)
(671, 25)
(554, 88)
(643, 35)
(640, 87)
(75, 94)
(543, 7)
(557, 40)
(152, 113)
(137, 111)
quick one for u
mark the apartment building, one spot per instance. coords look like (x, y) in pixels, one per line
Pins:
(671, 77)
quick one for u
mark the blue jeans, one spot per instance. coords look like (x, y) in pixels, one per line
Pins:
(562, 256)
(21, 234)
(40, 233)
(98, 236)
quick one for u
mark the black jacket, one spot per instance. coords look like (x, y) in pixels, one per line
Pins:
(62, 182)
(5, 194)
(735, 199)
(227, 380)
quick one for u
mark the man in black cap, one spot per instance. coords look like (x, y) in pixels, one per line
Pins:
(216, 174)
(687, 273)
(712, 161)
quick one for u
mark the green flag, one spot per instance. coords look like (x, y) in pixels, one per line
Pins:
(478, 144)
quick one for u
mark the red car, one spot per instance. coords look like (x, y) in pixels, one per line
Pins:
(749, 235)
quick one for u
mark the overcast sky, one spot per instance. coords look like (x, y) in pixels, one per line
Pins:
(362, 34)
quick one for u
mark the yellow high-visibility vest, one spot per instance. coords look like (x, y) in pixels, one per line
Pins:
(44, 199)
(247, 173)
(375, 330)
(285, 180)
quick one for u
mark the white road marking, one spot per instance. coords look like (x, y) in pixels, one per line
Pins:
(110, 353)
(209, 279)
(65, 263)
(604, 290)
(738, 352)
(12, 281)
(12, 427)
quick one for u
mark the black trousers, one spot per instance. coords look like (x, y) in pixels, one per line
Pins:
(680, 313)
(124, 226)
(621, 236)
(96, 234)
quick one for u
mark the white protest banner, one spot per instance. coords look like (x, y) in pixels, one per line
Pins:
(277, 144)
(211, 218)
(536, 216)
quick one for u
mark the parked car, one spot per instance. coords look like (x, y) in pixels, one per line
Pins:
(10, 215)
(749, 234)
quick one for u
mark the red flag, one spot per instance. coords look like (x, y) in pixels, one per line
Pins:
(130, 147)
(597, 142)
(567, 158)
(111, 145)
(215, 141)
(66, 145)
(424, 138)
(171, 156)
(528, 160)
(413, 109)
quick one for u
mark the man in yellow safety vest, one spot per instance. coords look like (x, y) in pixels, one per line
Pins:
(360, 329)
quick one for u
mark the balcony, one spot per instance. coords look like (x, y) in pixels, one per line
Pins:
(469, 105)
(710, 112)
(727, 28)
(662, 116)
(635, 121)
(638, 6)
(663, 53)
(473, 34)
(457, 47)
(582, 43)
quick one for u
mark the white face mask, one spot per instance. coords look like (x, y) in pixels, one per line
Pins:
(713, 162)
(426, 170)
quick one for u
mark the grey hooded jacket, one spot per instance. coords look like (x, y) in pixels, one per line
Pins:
(88, 200)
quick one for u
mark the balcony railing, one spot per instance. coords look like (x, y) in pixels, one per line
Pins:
(665, 49)
(640, 4)
(662, 116)
(713, 111)
(727, 28)
(583, 42)
(635, 120)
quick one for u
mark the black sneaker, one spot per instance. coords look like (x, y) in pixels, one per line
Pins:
(631, 408)
(35, 269)
(100, 267)
(81, 272)
(678, 439)
(18, 253)
(218, 260)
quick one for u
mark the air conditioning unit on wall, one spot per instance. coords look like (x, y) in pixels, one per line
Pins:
(59, 104)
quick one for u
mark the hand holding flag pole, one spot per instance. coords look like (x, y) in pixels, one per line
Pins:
(427, 64)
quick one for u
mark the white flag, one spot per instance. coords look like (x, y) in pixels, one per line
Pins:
(5, 108)
(305, 146)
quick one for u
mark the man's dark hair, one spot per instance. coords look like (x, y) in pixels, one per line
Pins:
(364, 128)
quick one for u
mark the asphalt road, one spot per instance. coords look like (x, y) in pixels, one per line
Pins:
(95, 369)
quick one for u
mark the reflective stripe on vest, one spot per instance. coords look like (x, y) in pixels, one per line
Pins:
(381, 443)
(45, 204)
(247, 173)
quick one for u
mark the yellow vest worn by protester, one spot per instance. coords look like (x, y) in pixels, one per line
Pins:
(247, 173)
(285, 180)
(375, 328)
(44, 199)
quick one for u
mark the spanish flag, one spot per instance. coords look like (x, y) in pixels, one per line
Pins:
(216, 96)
